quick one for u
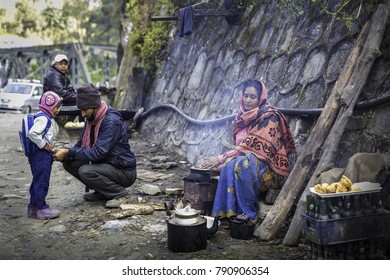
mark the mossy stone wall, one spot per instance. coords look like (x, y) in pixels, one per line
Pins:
(299, 58)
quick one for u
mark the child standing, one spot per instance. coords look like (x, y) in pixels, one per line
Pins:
(41, 160)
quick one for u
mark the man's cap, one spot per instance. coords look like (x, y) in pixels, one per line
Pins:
(88, 97)
(59, 57)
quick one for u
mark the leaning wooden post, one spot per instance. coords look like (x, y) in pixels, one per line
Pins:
(305, 162)
(348, 100)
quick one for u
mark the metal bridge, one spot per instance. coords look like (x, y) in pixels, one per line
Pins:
(15, 62)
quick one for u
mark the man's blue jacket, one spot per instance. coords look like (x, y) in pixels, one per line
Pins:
(112, 144)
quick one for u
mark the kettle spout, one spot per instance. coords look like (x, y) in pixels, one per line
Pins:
(211, 231)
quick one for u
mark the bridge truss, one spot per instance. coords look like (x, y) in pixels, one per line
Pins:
(15, 63)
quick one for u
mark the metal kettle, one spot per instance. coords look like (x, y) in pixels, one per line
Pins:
(187, 217)
(187, 231)
(190, 217)
(241, 227)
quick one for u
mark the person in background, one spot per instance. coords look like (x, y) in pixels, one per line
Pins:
(57, 80)
(102, 158)
(263, 141)
(41, 160)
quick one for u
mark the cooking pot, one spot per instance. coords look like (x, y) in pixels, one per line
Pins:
(199, 175)
(241, 227)
(187, 231)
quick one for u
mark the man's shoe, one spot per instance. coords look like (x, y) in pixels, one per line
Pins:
(31, 212)
(47, 213)
(118, 200)
(94, 196)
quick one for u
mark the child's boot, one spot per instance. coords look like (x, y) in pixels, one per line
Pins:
(47, 213)
(31, 212)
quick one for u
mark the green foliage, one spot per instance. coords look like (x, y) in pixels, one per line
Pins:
(104, 23)
(54, 19)
(147, 39)
(184, 3)
(154, 43)
(137, 10)
(237, 4)
(75, 21)
(149, 43)
(294, 6)
(24, 21)
(346, 10)
(26, 17)
(54, 25)
(248, 5)
(97, 76)
(136, 42)
(9, 27)
(97, 64)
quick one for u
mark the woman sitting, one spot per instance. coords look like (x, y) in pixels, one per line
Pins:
(263, 141)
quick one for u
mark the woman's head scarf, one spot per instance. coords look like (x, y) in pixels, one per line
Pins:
(268, 135)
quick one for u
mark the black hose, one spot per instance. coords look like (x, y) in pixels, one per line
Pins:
(189, 119)
(365, 105)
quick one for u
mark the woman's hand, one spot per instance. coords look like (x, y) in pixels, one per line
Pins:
(210, 163)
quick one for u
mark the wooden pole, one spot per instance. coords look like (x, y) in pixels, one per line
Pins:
(348, 100)
(305, 162)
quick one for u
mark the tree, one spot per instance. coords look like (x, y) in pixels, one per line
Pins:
(2, 14)
(104, 24)
(25, 18)
(78, 16)
(54, 25)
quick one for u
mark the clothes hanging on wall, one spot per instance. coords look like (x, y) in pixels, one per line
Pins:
(185, 21)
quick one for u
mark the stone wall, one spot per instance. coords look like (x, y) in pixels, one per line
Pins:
(299, 58)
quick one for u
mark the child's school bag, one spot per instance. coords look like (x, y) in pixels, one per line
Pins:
(28, 146)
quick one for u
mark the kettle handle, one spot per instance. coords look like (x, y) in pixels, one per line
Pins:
(211, 231)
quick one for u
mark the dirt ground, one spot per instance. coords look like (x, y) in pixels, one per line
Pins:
(88, 230)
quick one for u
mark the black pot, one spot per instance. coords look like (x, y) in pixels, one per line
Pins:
(199, 175)
(241, 229)
(187, 238)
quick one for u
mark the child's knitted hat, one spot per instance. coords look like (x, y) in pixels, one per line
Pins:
(48, 102)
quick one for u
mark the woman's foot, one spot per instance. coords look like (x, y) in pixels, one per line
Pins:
(225, 224)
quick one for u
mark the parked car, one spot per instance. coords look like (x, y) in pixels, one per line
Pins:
(15, 93)
(31, 104)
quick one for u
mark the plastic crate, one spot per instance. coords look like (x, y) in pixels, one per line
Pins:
(334, 231)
